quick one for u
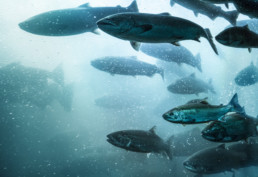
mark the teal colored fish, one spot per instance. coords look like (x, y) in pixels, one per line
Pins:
(200, 111)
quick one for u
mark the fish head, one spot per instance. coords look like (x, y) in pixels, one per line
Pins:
(119, 139)
(214, 131)
(229, 37)
(197, 166)
(31, 25)
(115, 25)
(173, 88)
(99, 64)
(175, 115)
(40, 24)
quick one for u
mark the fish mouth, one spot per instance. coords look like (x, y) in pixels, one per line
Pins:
(23, 26)
(189, 166)
(105, 22)
(111, 139)
(221, 40)
(170, 119)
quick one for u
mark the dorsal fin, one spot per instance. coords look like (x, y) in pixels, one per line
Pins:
(221, 146)
(246, 27)
(204, 102)
(153, 129)
(192, 75)
(165, 13)
(86, 5)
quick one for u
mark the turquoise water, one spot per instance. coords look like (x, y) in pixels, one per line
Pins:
(60, 129)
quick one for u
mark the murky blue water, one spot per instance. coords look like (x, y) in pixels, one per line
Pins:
(60, 130)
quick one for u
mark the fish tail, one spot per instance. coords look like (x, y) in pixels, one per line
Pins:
(235, 105)
(133, 7)
(168, 150)
(232, 17)
(58, 75)
(198, 59)
(209, 37)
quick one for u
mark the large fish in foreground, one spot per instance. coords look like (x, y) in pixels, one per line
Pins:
(239, 37)
(126, 66)
(200, 111)
(232, 127)
(247, 76)
(190, 85)
(153, 28)
(65, 22)
(140, 141)
(171, 53)
(215, 160)
(210, 10)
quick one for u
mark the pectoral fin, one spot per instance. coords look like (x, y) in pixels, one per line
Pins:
(165, 13)
(249, 50)
(226, 4)
(135, 45)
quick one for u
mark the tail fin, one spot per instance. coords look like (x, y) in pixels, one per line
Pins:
(235, 105)
(161, 72)
(232, 17)
(198, 59)
(211, 87)
(168, 147)
(58, 75)
(209, 38)
(133, 7)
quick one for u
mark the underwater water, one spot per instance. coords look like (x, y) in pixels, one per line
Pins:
(57, 109)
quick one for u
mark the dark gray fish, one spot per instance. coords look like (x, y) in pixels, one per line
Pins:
(190, 85)
(126, 66)
(247, 7)
(247, 76)
(231, 127)
(140, 141)
(65, 22)
(210, 10)
(153, 28)
(218, 2)
(171, 53)
(215, 160)
(239, 37)
(200, 112)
